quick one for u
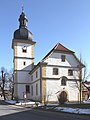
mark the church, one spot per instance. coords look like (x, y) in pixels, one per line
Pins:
(55, 78)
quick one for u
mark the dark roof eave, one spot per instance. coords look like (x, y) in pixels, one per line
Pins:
(36, 66)
(64, 51)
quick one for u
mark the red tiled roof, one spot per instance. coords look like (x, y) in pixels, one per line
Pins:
(60, 47)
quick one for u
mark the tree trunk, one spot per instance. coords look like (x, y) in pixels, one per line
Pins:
(3, 92)
(3, 81)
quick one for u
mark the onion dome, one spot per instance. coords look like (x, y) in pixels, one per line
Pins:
(23, 33)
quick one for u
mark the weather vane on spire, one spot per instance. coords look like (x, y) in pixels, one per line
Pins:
(22, 7)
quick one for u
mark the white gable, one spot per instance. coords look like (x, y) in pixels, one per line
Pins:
(55, 59)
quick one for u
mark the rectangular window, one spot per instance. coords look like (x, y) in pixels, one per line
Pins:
(36, 74)
(36, 89)
(63, 81)
(32, 78)
(27, 89)
(70, 72)
(55, 71)
(24, 63)
(32, 90)
(24, 49)
(63, 57)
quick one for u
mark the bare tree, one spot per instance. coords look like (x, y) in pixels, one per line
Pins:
(6, 76)
(46, 97)
(86, 74)
(3, 82)
(82, 75)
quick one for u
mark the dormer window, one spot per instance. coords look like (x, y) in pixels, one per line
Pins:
(63, 57)
(24, 49)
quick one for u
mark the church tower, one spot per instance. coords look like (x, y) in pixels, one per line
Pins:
(23, 57)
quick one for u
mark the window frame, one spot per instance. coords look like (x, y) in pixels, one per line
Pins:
(70, 72)
(32, 90)
(55, 71)
(63, 81)
(31, 77)
(24, 63)
(63, 58)
(36, 88)
(27, 89)
(36, 74)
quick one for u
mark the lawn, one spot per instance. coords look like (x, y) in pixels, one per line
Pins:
(86, 106)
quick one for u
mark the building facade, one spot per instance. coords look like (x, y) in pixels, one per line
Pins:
(55, 78)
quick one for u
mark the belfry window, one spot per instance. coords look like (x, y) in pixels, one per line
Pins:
(24, 49)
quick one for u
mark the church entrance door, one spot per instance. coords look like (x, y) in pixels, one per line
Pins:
(62, 97)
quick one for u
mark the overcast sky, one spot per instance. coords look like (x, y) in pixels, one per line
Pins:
(50, 21)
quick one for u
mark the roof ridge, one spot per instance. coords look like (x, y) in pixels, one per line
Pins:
(56, 45)
(60, 47)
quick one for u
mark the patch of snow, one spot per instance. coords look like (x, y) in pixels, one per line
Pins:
(20, 102)
(64, 109)
(55, 104)
(25, 103)
(87, 101)
(11, 101)
(73, 110)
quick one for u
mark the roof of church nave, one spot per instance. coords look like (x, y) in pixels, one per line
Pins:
(58, 47)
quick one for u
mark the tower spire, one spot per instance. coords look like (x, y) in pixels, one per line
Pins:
(22, 8)
(22, 19)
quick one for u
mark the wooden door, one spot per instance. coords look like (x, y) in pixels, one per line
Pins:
(63, 97)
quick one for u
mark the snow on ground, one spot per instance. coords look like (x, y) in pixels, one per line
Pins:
(25, 103)
(87, 101)
(63, 109)
(10, 101)
(20, 102)
(73, 110)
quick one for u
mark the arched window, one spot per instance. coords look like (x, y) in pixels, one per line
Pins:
(63, 81)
